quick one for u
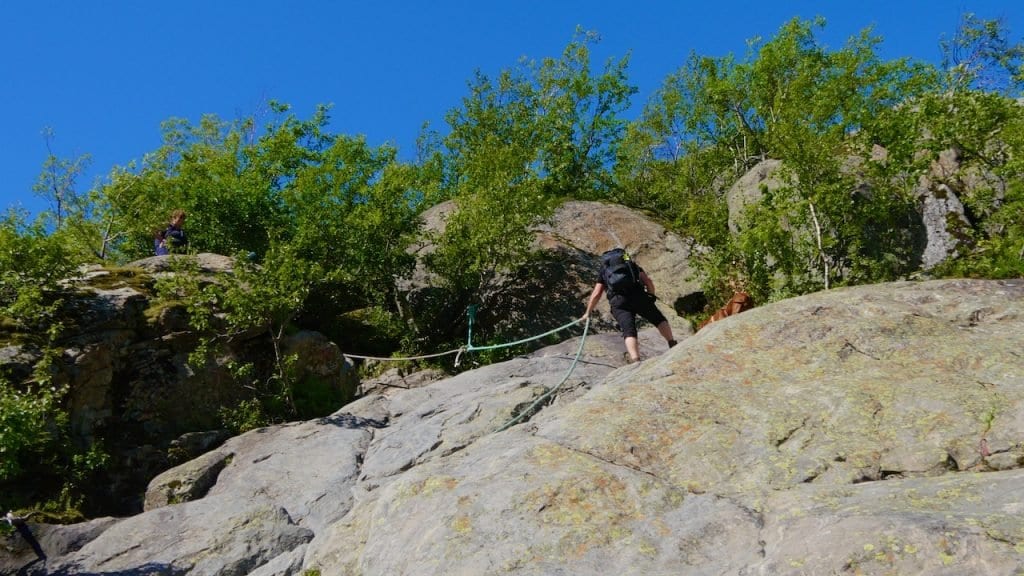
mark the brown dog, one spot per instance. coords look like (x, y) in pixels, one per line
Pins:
(739, 302)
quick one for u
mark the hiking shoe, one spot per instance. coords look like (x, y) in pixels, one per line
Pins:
(672, 343)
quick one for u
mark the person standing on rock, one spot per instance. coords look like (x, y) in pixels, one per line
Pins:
(175, 241)
(630, 293)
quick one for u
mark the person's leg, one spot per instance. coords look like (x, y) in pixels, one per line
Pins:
(633, 348)
(627, 323)
(654, 316)
(666, 332)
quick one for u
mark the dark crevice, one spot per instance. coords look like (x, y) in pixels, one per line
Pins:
(525, 411)
(470, 418)
(612, 462)
(454, 449)
(409, 465)
(789, 434)
(951, 464)
(848, 349)
(756, 517)
(814, 475)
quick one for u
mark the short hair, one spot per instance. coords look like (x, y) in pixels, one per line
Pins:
(177, 213)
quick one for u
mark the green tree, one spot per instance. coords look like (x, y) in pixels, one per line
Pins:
(813, 108)
(57, 182)
(32, 265)
(580, 117)
(535, 135)
(978, 117)
(980, 56)
(34, 434)
(226, 176)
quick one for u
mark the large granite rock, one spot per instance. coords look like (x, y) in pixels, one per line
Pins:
(750, 188)
(868, 430)
(553, 290)
(942, 212)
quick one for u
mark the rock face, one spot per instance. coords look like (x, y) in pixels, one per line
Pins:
(749, 189)
(553, 290)
(130, 383)
(942, 213)
(943, 222)
(877, 429)
(593, 227)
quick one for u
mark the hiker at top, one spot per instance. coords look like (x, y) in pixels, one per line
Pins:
(630, 293)
(174, 239)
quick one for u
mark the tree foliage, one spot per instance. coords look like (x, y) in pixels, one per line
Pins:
(841, 216)
(536, 134)
(32, 265)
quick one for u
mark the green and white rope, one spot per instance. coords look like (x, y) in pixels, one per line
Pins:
(405, 358)
(469, 348)
(546, 395)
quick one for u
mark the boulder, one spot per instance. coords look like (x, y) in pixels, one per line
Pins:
(553, 290)
(750, 188)
(942, 212)
(187, 482)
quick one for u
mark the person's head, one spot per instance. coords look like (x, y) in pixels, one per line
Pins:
(178, 218)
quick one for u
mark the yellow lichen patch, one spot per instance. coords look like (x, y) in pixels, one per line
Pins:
(430, 486)
(588, 510)
(583, 501)
(462, 524)
(661, 527)
(547, 454)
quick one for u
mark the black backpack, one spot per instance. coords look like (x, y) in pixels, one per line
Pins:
(619, 274)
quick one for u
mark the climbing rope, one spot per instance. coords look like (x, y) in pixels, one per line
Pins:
(546, 395)
(405, 358)
(469, 347)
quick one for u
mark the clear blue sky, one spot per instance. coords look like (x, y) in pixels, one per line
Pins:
(103, 74)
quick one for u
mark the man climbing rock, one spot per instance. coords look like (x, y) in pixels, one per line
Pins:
(630, 293)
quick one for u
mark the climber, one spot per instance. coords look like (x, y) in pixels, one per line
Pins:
(630, 292)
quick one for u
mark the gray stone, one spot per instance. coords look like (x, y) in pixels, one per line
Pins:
(553, 290)
(873, 429)
(187, 482)
(750, 188)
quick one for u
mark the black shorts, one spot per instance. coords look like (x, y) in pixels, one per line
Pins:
(625, 310)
